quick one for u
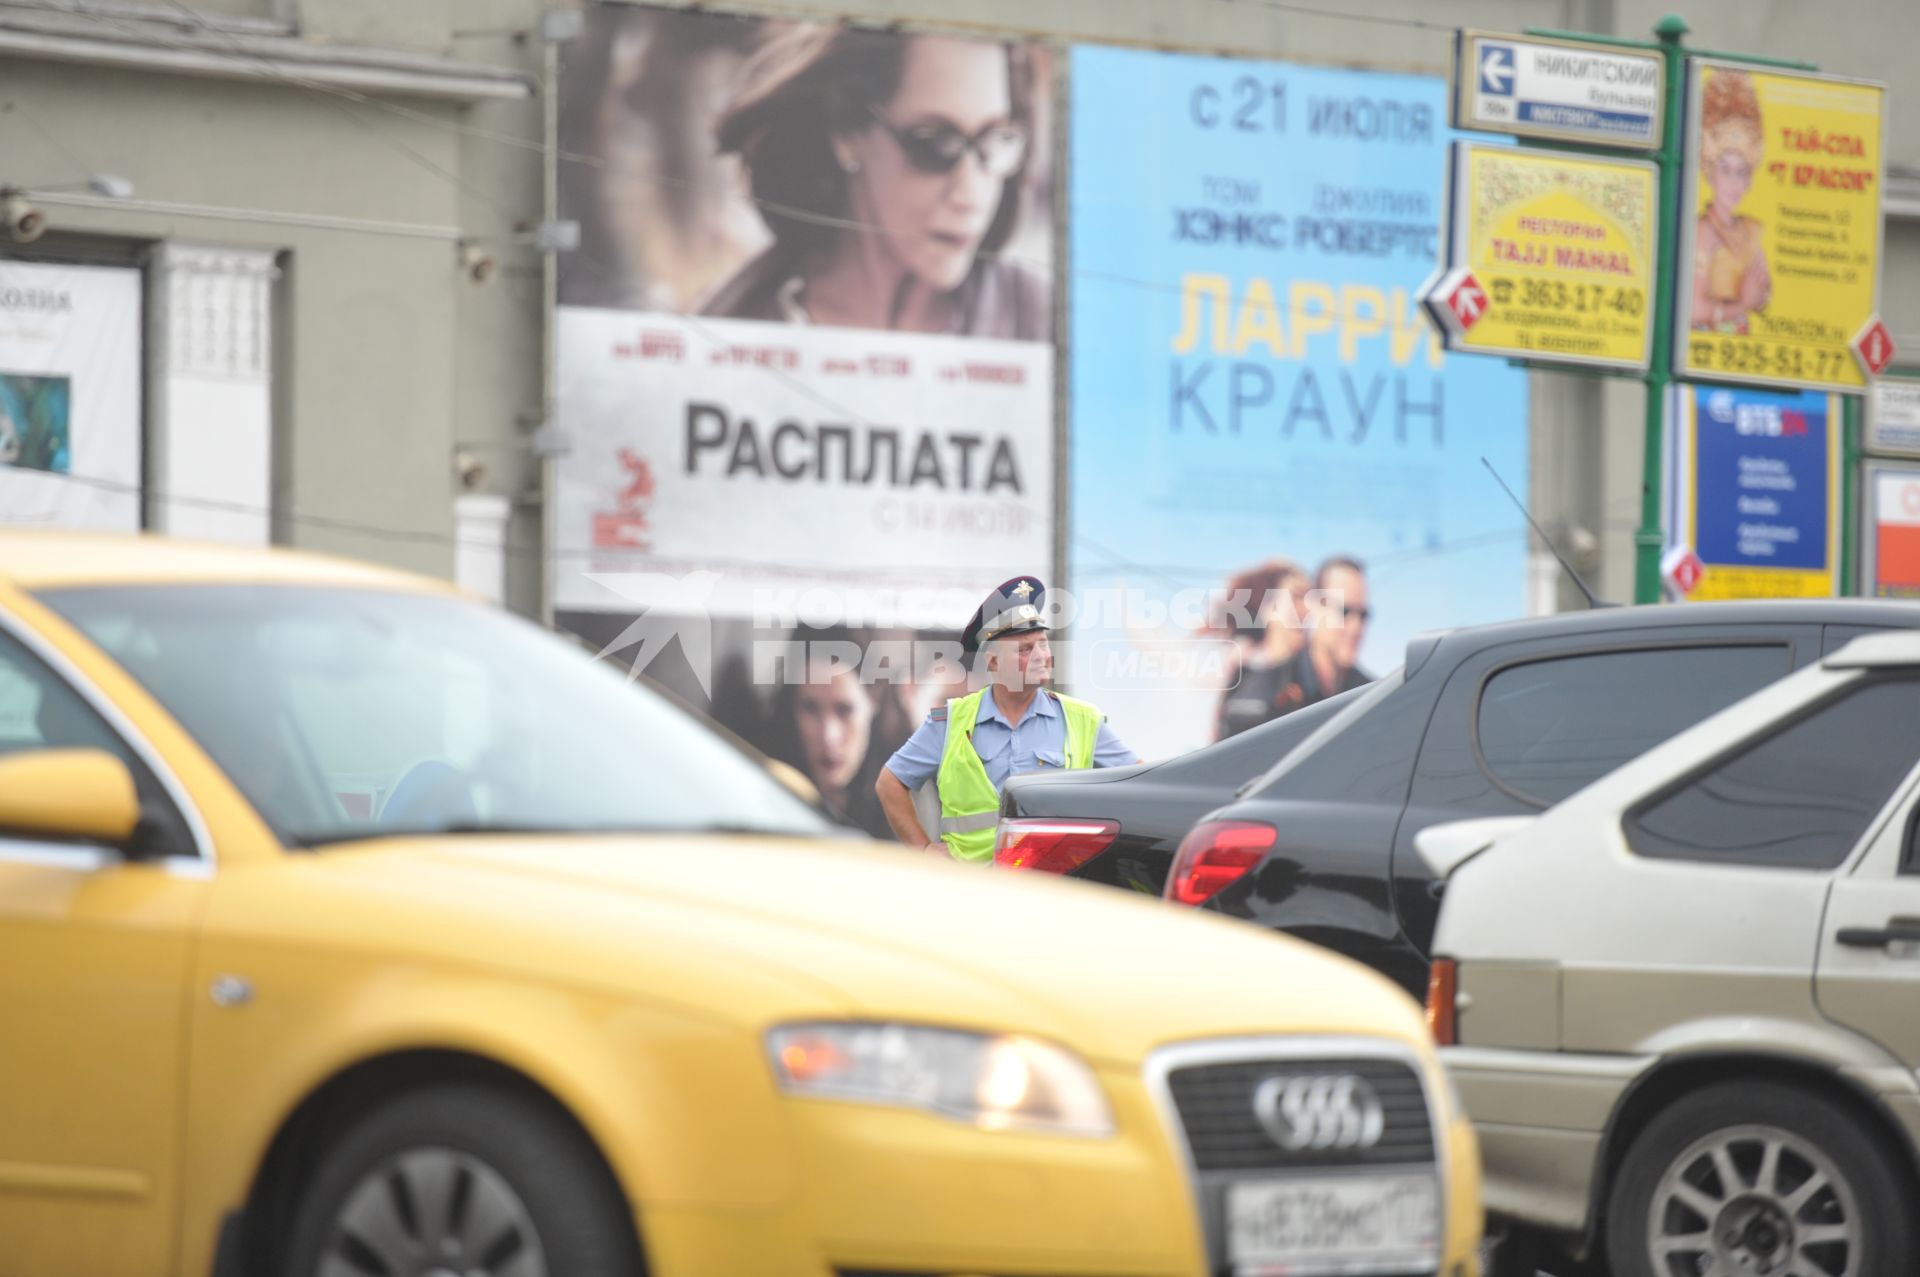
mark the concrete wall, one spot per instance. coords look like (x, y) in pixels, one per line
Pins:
(424, 25)
(501, 328)
(369, 316)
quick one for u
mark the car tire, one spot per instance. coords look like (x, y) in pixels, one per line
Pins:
(466, 1178)
(1763, 1172)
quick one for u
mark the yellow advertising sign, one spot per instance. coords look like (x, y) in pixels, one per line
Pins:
(1780, 252)
(1561, 248)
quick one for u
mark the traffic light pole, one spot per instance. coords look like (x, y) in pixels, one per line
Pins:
(1651, 536)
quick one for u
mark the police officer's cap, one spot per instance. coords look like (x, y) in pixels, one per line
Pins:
(1016, 607)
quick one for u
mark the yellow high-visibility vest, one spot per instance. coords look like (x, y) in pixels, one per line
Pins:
(969, 804)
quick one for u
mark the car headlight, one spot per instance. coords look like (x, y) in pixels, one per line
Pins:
(996, 1082)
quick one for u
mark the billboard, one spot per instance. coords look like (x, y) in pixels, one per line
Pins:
(1256, 394)
(1893, 417)
(1893, 530)
(805, 356)
(1552, 256)
(1782, 184)
(70, 398)
(1757, 486)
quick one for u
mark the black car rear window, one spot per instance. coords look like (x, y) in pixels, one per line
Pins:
(1548, 728)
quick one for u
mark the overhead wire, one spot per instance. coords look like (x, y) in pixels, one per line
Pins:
(1170, 573)
(1310, 11)
(236, 52)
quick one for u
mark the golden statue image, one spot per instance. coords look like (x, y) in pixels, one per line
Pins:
(1730, 275)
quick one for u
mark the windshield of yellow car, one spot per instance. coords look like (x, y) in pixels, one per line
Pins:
(349, 714)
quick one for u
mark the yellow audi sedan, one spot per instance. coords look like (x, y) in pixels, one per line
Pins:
(353, 928)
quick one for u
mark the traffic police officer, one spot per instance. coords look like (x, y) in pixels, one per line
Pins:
(1015, 724)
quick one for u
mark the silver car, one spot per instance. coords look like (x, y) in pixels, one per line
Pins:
(1684, 1004)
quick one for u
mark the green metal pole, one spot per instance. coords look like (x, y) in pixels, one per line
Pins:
(1851, 454)
(1650, 539)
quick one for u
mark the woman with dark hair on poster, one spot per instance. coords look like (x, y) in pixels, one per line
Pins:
(888, 169)
(824, 725)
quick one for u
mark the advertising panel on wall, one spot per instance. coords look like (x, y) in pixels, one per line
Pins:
(1893, 416)
(1892, 542)
(1781, 247)
(1255, 392)
(805, 361)
(70, 379)
(1756, 491)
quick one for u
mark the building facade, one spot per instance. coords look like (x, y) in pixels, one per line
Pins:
(340, 221)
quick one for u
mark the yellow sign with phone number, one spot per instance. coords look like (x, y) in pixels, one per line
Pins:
(1780, 256)
(1563, 247)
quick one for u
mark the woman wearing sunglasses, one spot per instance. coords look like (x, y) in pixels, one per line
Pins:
(889, 171)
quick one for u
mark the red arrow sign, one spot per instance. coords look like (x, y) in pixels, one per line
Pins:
(1874, 347)
(1683, 567)
(1468, 301)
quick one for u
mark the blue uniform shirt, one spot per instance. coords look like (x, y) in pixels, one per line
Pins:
(1039, 742)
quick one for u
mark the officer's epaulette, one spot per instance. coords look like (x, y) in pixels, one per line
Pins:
(938, 713)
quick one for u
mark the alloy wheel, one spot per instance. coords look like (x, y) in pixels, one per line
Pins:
(1754, 1201)
(433, 1212)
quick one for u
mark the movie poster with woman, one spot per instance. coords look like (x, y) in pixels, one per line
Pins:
(805, 356)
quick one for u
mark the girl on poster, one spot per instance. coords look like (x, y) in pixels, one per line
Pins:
(889, 171)
(1730, 275)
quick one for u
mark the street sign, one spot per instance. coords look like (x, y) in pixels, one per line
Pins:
(1462, 300)
(1559, 251)
(1892, 541)
(1757, 491)
(1683, 569)
(1893, 417)
(1874, 347)
(1566, 90)
(1780, 243)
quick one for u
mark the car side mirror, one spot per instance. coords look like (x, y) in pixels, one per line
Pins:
(68, 795)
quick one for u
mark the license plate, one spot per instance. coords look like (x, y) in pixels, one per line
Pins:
(1349, 1225)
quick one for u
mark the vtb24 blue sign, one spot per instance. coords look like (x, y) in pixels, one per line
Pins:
(1760, 473)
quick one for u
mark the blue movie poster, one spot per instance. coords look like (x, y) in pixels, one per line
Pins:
(1253, 384)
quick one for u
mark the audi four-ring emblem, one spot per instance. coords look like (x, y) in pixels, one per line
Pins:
(1302, 1112)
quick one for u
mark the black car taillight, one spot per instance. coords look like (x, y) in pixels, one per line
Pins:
(1214, 855)
(1052, 846)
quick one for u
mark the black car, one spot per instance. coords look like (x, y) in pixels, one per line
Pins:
(1492, 721)
(1121, 825)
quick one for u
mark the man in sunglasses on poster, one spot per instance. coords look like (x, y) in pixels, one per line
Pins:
(1327, 664)
(1330, 662)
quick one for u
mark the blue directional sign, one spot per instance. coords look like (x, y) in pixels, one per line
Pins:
(1496, 69)
(1600, 95)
